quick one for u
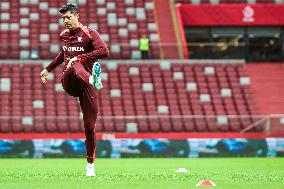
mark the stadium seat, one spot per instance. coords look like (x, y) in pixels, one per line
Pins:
(224, 1)
(118, 23)
(196, 90)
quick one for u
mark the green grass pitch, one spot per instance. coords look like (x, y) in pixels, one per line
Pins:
(229, 173)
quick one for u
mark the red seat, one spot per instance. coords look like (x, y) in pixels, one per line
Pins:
(120, 125)
(39, 125)
(133, 100)
(143, 125)
(189, 124)
(166, 125)
(5, 126)
(108, 125)
(51, 126)
(154, 125)
(212, 125)
(17, 126)
(99, 125)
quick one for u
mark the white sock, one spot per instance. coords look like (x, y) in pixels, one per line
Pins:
(91, 80)
(90, 164)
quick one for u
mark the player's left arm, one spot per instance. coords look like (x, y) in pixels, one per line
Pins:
(99, 46)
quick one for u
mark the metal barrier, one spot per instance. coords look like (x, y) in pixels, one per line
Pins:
(148, 123)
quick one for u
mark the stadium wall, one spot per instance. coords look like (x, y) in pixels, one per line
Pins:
(144, 147)
(125, 145)
(232, 14)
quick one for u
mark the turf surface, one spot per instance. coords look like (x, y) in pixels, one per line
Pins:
(229, 173)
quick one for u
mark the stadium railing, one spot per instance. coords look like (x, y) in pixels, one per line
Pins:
(143, 124)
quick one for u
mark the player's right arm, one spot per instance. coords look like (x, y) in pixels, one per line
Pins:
(59, 59)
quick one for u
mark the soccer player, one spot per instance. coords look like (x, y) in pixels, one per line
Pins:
(80, 49)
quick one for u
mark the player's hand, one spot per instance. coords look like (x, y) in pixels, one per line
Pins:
(43, 76)
(71, 61)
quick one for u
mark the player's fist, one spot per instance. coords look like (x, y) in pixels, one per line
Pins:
(71, 62)
(43, 76)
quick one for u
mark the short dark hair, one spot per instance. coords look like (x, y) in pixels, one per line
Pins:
(69, 7)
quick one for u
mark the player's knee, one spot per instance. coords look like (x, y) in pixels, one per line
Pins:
(72, 91)
(71, 84)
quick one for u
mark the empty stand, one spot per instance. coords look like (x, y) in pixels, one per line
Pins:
(227, 1)
(152, 97)
(28, 26)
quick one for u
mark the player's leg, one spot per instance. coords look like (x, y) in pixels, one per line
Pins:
(89, 106)
(94, 79)
(88, 103)
(74, 82)
(70, 83)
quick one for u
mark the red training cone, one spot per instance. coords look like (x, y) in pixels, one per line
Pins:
(206, 183)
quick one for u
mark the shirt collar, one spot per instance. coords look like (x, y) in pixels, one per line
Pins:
(77, 29)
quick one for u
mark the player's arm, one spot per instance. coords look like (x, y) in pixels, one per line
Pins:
(59, 59)
(100, 49)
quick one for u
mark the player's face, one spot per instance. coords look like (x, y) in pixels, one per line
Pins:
(70, 20)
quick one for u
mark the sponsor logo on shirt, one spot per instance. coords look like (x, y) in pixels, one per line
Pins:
(77, 49)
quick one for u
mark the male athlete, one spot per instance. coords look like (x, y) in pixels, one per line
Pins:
(80, 49)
